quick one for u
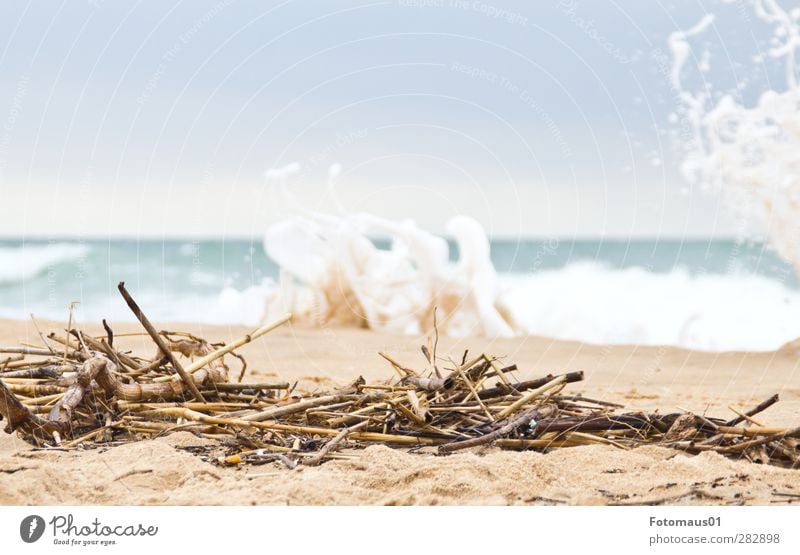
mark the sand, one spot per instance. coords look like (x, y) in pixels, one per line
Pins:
(163, 471)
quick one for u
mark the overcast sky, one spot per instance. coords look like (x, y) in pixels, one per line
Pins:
(546, 118)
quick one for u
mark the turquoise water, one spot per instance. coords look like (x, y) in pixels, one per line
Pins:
(190, 280)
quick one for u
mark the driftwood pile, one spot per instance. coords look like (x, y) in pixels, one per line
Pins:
(79, 391)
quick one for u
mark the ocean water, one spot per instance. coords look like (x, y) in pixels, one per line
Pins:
(710, 294)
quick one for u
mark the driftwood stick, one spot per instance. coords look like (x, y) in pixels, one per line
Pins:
(590, 401)
(419, 408)
(187, 380)
(466, 365)
(62, 410)
(333, 443)
(38, 372)
(91, 435)
(786, 452)
(435, 344)
(794, 432)
(33, 351)
(429, 384)
(109, 333)
(250, 386)
(404, 372)
(472, 389)
(67, 346)
(278, 412)
(753, 431)
(18, 416)
(15, 358)
(497, 370)
(209, 357)
(594, 423)
(531, 395)
(34, 389)
(571, 377)
(30, 364)
(107, 349)
(512, 424)
(362, 436)
(355, 415)
(761, 407)
(222, 351)
(521, 443)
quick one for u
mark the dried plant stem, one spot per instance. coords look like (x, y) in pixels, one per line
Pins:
(222, 351)
(761, 407)
(333, 443)
(91, 435)
(363, 436)
(100, 395)
(301, 406)
(402, 370)
(472, 390)
(158, 340)
(794, 432)
(514, 423)
(531, 395)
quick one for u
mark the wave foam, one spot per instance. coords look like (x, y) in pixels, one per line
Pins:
(749, 153)
(331, 272)
(18, 264)
(589, 302)
(586, 301)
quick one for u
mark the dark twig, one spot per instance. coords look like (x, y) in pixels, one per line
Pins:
(158, 340)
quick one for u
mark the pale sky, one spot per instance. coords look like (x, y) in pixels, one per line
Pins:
(546, 118)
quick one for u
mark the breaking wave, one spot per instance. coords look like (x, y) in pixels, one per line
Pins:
(20, 263)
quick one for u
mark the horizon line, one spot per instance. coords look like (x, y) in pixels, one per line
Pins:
(258, 238)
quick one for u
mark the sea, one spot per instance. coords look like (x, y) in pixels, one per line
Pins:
(711, 294)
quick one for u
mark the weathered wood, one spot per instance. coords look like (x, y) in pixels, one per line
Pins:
(158, 340)
(526, 417)
(761, 407)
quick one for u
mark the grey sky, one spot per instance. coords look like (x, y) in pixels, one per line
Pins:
(539, 118)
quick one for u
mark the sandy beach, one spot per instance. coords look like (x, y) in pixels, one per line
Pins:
(165, 472)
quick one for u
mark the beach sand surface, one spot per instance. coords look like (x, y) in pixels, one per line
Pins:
(163, 471)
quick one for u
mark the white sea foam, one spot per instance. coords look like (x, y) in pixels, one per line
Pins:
(25, 262)
(590, 302)
(750, 153)
(584, 301)
(332, 272)
(234, 306)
